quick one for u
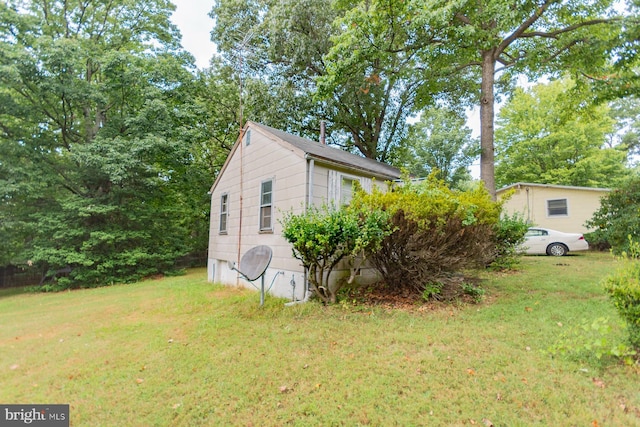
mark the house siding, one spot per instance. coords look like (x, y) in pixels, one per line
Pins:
(261, 160)
(531, 201)
(290, 168)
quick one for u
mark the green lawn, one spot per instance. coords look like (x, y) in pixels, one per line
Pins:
(180, 351)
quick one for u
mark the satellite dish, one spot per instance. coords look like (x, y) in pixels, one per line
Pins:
(253, 265)
(255, 262)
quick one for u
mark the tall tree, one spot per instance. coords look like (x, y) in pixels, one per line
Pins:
(95, 166)
(626, 113)
(440, 141)
(275, 49)
(549, 135)
(284, 43)
(474, 46)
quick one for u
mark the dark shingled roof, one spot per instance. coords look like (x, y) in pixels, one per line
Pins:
(329, 154)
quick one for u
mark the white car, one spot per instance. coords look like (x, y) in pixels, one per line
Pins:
(551, 242)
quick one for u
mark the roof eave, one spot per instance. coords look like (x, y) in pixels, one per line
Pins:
(352, 166)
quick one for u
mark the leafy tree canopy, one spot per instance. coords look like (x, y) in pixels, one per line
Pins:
(95, 168)
(466, 51)
(549, 135)
(440, 141)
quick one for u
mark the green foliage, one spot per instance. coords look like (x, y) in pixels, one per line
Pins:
(547, 135)
(322, 237)
(509, 234)
(623, 287)
(475, 292)
(476, 40)
(593, 338)
(440, 141)
(437, 231)
(100, 169)
(618, 216)
(432, 290)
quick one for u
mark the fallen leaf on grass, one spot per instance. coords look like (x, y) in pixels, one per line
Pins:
(528, 309)
(14, 367)
(598, 382)
(139, 380)
(471, 371)
(284, 389)
(487, 422)
(176, 406)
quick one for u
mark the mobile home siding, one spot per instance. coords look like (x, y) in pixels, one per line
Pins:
(532, 201)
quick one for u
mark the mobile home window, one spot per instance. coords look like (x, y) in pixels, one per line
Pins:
(557, 207)
(266, 205)
(224, 212)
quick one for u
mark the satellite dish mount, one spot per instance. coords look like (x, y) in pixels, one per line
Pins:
(253, 265)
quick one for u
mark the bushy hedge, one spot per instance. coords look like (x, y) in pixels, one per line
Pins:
(617, 217)
(624, 289)
(322, 237)
(509, 235)
(437, 231)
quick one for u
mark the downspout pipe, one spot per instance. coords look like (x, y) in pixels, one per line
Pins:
(310, 171)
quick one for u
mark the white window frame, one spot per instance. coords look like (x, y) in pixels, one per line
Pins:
(555, 215)
(264, 205)
(224, 213)
(336, 179)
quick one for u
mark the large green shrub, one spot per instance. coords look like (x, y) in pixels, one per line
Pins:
(623, 287)
(509, 235)
(322, 237)
(618, 216)
(436, 231)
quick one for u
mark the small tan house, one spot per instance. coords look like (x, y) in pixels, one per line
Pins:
(559, 207)
(268, 173)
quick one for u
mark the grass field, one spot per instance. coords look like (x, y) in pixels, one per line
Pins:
(180, 351)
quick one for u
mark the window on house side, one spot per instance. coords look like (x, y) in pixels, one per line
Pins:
(266, 192)
(557, 207)
(346, 190)
(247, 137)
(224, 212)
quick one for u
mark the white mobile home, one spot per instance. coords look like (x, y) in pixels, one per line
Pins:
(268, 173)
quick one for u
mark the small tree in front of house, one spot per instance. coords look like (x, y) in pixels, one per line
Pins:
(322, 237)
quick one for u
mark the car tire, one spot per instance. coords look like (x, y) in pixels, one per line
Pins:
(557, 249)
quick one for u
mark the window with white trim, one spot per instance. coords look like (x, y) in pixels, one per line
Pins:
(266, 205)
(341, 187)
(557, 207)
(346, 190)
(224, 212)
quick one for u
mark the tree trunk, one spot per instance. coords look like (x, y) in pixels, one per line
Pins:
(487, 158)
